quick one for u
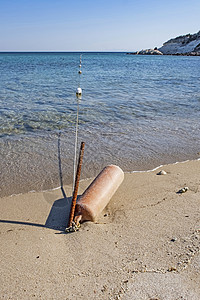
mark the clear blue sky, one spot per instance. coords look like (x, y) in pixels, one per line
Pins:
(94, 25)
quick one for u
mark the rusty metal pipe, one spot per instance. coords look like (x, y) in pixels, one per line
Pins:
(75, 193)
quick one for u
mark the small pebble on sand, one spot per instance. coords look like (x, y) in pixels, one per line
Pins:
(162, 172)
(173, 239)
(183, 190)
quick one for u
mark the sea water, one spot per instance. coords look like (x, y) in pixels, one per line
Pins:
(136, 112)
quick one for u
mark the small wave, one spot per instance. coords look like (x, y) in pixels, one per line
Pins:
(91, 178)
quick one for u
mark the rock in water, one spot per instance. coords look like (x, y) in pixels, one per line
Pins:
(147, 52)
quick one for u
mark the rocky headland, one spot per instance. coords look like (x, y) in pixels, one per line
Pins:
(188, 44)
(147, 52)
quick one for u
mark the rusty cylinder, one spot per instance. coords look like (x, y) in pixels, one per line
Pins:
(98, 194)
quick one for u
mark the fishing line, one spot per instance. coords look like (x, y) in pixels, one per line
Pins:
(79, 97)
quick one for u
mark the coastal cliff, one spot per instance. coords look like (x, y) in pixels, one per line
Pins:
(188, 44)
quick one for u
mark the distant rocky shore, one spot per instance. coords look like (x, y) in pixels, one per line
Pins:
(147, 52)
(187, 45)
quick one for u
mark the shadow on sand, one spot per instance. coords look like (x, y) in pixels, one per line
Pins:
(59, 214)
(57, 218)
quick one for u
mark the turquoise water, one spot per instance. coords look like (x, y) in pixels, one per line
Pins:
(136, 111)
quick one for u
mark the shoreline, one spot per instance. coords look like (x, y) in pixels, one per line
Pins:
(45, 162)
(144, 245)
(92, 177)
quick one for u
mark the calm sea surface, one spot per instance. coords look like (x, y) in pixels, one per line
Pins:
(136, 111)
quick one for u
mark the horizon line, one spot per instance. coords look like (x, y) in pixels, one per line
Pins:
(58, 51)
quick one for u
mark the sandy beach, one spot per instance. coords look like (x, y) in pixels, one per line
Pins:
(145, 244)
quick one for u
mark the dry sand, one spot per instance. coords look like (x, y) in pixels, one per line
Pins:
(144, 246)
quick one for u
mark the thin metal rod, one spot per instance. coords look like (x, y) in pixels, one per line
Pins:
(75, 193)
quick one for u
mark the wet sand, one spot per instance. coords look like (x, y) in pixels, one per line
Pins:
(144, 246)
(40, 162)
